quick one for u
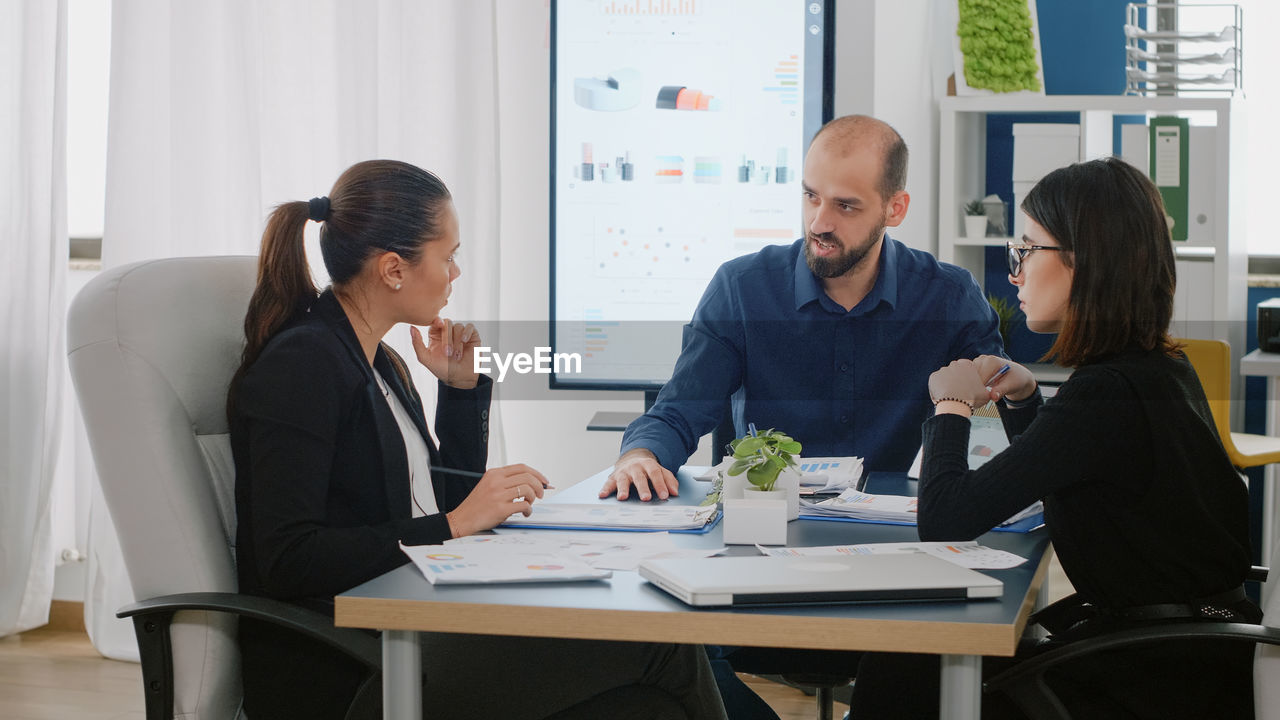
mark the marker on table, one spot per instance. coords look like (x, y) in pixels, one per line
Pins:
(998, 375)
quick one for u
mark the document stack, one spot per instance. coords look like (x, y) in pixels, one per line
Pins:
(615, 516)
(856, 505)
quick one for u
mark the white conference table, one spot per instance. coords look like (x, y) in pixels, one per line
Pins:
(625, 607)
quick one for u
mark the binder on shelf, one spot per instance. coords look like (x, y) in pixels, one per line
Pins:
(1170, 141)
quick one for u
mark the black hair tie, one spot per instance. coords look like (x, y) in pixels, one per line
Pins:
(318, 209)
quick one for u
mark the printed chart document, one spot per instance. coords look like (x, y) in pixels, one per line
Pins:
(965, 554)
(615, 516)
(602, 550)
(855, 504)
(986, 439)
(823, 475)
(485, 563)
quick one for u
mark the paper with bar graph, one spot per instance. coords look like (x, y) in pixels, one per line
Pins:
(484, 564)
(900, 509)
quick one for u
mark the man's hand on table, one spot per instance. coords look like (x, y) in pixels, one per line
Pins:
(639, 470)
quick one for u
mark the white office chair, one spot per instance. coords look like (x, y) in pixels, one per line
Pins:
(152, 348)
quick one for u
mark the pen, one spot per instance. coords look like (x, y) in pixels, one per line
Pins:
(465, 473)
(454, 471)
(751, 428)
(998, 375)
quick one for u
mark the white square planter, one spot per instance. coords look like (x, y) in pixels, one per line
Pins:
(736, 487)
(789, 482)
(975, 226)
(752, 520)
(732, 486)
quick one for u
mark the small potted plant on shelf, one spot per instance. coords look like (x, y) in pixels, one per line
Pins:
(761, 515)
(975, 219)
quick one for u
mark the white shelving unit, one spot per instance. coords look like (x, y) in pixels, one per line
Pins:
(1212, 263)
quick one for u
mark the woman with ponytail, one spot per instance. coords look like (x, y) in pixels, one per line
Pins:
(335, 466)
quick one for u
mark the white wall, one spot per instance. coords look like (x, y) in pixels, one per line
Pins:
(892, 61)
(905, 96)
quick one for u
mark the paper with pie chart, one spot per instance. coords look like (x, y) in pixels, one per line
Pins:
(486, 564)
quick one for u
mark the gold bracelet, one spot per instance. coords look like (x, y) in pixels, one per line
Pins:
(952, 399)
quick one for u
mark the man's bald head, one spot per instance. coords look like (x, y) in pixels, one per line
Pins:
(846, 134)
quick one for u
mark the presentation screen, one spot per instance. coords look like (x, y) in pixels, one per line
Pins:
(678, 130)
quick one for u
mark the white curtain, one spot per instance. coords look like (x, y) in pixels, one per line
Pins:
(219, 111)
(33, 266)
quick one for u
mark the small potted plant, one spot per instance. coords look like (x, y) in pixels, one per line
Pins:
(975, 219)
(762, 456)
(762, 513)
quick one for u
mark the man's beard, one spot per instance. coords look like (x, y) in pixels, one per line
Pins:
(830, 267)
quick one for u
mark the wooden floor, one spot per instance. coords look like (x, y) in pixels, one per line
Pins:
(56, 675)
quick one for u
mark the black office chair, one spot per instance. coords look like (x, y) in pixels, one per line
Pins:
(1025, 683)
(824, 687)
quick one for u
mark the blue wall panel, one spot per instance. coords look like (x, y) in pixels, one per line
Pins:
(1082, 49)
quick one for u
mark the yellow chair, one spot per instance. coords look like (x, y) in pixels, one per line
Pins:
(1212, 361)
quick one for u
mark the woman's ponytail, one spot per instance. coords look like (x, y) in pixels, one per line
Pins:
(284, 279)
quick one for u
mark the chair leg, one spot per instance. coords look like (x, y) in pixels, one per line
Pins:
(826, 702)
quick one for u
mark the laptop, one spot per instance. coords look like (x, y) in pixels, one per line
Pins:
(764, 580)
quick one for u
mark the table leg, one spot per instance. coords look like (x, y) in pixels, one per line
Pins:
(1042, 601)
(1268, 512)
(401, 675)
(1269, 473)
(961, 687)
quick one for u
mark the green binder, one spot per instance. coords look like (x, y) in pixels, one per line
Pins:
(1169, 141)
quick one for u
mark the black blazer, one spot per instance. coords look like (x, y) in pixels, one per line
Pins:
(322, 481)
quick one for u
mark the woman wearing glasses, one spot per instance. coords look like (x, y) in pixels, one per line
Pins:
(1146, 513)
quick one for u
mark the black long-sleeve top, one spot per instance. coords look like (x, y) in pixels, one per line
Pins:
(1141, 502)
(322, 478)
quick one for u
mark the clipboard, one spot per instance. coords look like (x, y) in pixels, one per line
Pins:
(706, 528)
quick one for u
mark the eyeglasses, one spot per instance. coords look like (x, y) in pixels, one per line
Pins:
(1019, 252)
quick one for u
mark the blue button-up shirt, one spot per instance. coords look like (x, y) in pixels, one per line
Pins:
(842, 382)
